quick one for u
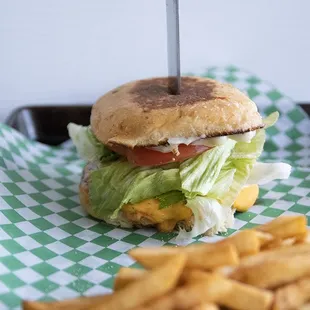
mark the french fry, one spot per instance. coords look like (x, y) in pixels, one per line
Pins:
(196, 248)
(154, 284)
(192, 295)
(247, 242)
(259, 269)
(126, 276)
(305, 238)
(199, 256)
(225, 270)
(164, 302)
(76, 303)
(272, 273)
(285, 227)
(168, 303)
(151, 258)
(239, 296)
(221, 255)
(264, 238)
(288, 242)
(189, 295)
(206, 306)
(278, 243)
(292, 296)
(284, 252)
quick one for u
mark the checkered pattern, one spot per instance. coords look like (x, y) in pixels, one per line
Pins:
(50, 249)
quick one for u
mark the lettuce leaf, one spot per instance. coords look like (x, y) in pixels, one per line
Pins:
(263, 173)
(88, 146)
(120, 220)
(170, 198)
(222, 172)
(199, 174)
(118, 183)
(271, 119)
(252, 150)
(243, 170)
(151, 183)
(242, 159)
(210, 217)
(223, 182)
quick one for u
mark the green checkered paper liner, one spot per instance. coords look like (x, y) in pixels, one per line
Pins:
(50, 249)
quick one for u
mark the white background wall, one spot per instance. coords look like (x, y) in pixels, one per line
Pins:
(71, 51)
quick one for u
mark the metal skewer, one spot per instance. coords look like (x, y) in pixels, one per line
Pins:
(173, 46)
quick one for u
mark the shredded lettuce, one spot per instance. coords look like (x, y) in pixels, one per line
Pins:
(222, 172)
(210, 217)
(118, 183)
(88, 146)
(271, 119)
(120, 220)
(252, 150)
(223, 182)
(170, 198)
(263, 173)
(199, 174)
(243, 170)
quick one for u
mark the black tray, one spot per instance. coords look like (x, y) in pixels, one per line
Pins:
(48, 124)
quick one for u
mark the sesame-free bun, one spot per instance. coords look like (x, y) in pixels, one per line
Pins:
(143, 113)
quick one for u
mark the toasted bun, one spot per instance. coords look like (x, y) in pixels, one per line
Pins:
(143, 113)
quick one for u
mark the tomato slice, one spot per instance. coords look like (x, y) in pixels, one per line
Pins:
(142, 156)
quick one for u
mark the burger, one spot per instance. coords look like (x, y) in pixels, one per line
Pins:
(180, 163)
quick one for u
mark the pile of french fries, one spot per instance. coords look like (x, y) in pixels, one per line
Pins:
(267, 267)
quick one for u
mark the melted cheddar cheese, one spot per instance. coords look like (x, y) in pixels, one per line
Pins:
(148, 212)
